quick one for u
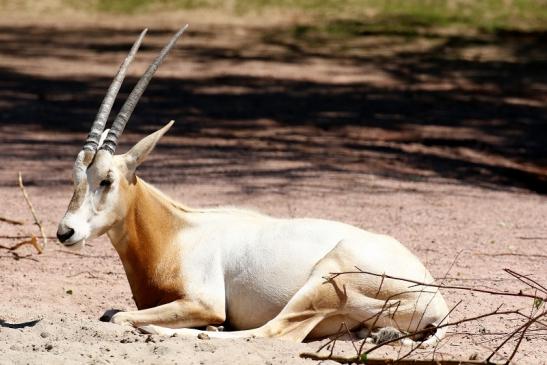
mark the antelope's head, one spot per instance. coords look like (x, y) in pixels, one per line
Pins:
(100, 177)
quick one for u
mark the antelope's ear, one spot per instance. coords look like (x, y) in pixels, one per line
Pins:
(138, 153)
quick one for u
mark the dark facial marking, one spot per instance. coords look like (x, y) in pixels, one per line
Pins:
(78, 196)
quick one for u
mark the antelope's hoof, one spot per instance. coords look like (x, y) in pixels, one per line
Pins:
(386, 334)
(214, 328)
(107, 316)
(122, 319)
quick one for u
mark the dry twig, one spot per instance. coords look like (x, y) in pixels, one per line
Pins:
(363, 358)
(510, 254)
(11, 221)
(522, 328)
(16, 256)
(34, 215)
(32, 241)
(91, 275)
(84, 255)
(372, 361)
(525, 279)
(18, 237)
(456, 287)
(522, 331)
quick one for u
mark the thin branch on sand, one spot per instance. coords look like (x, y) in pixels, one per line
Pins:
(16, 256)
(84, 255)
(526, 329)
(33, 212)
(522, 328)
(33, 241)
(373, 361)
(11, 221)
(456, 287)
(511, 254)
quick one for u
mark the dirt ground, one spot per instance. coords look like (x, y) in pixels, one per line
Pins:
(436, 139)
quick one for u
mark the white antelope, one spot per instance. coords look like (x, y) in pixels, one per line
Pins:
(262, 276)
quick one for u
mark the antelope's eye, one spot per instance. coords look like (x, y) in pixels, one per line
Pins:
(106, 183)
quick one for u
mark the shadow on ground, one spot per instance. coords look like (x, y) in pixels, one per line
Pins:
(466, 108)
(5, 324)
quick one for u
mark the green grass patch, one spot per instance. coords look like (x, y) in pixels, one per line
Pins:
(485, 14)
(374, 14)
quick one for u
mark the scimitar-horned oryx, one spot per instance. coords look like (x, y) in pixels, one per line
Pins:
(263, 276)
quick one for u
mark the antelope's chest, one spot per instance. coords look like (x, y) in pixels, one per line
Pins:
(154, 282)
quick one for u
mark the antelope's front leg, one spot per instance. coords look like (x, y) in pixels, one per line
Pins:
(178, 314)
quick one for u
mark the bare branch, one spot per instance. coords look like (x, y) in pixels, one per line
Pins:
(521, 331)
(16, 256)
(456, 287)
(522, 328)
(34, 215)
(11, 221)
(527, 280)
(32, 241)
(372, 361)
(84, 255)
(510, 254)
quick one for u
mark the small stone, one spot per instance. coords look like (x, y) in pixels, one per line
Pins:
(474, 356)
(203, 336)
(149, 338)
(44, 335)
(49, 347)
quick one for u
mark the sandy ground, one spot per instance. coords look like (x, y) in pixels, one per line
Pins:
(437, 141)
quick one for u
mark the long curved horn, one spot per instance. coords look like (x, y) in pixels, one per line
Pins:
(123, 116)
(92, 141)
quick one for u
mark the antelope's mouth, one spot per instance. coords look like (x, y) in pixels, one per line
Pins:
(76, 245)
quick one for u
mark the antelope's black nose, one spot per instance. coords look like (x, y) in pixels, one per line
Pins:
(63, 236)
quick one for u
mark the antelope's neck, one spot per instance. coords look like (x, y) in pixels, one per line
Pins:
(146, 243)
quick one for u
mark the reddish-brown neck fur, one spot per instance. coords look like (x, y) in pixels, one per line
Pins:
(144, 240)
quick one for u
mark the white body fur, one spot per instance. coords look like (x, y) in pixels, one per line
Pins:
(255, 263)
